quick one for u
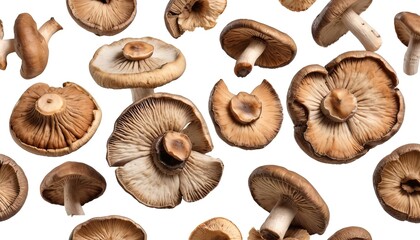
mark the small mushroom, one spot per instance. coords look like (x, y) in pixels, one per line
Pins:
(72, 184)
(407, 27)
(54, 121)
(254, 43)
(396, 181)
(351, 233)
(297, 5)
(216, 228)
(187, 15)
(103, 17)
(141, 64)
(340, 16)
(342, 110)
(291, 234)
(246, 120)
(13, 187)
(291, 200)
(159, 145)
(7, 46)
(108, 227)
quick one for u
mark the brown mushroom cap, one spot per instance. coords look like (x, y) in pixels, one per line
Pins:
(396, 181)
(291, 234)
(337, 138)
(351, 233)
(261, 111)
(54, 121)
(406, 24)
(14, 187)
(297, 5)
(108, 227)
(186, 15)
(103, 17)
(216, 228)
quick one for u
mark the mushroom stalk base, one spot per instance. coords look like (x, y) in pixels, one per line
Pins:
(71, 199)
(249, 56)
(6, 46)
(412, 55)
(277, 223)
(139, 93)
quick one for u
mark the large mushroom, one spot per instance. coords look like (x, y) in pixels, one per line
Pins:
(340, 16)
(246, 120)
(254, 43)
(297, 5)
(187, 15)
(103, 17)
(159, 145)
(396, 181)
(291, 200)
(351, 233)
(342, 110)
(141, 64)
(14, 187)
(216, 228)
(54, 121)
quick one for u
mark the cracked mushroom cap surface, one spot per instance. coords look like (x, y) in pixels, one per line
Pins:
(351, 233)
(270, 183)
(159, 145)
(342, 110)
(103, 17)
(14, 187)
(297, 5)
(249, 121)
(187, 15)
(54, 121)
(406, 24)
(111, 68)
(216, 228)
(396, 181)
(108, 227)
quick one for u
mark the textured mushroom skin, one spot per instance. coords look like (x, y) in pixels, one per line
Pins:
(297, 5)
(405, 24)
(351, 233)
(217, 228)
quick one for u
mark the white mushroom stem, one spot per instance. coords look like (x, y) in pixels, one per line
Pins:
(412, 55)
(369, 38)
(49, 28)
(247, 59)
(139, 93)
(277, 223)
(6, 46)
(71, 199)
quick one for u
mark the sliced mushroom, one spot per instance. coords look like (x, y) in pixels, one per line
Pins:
(291, 234)
(297, 5)
(187, 15)
(72, 184)
(7, 46)
(246, 120)
(291, 200)
(14, 187)
(108, 227)
(254, 43)
(342, 110)
(216, 228)
(54, 121)
(103, 17)
(159, 145)
(141, 64)
(340, 16)
(396, 181)
(351, 233)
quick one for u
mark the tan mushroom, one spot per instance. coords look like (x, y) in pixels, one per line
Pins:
(218, 228)
(140, 64)
(291, 200)
(246, 120)
(7, 46)
(291, 234)
(14, 187)
(159, 145)
(342, 110)
(396, 181)
(340, 16)
(108, 227)
(254, 43)
(407, 27)
(54, 121)
(72, 184)
(351, 233)
(187, 15)
(103, 17)
(297, 5)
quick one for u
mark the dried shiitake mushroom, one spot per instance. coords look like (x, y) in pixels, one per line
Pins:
(297, 5)
(216, 228)
(351, 233)
(291, 234)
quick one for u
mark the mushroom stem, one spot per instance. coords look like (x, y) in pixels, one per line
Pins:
(137, 50)
(71, 199)
(245, 108)
(49, 28)
(339, 105)
(6, 46)
(277, 223)
(412, 55)
(247, 59)
(368, 36)
(139, 93)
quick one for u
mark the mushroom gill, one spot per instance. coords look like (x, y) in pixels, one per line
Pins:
(9, 188)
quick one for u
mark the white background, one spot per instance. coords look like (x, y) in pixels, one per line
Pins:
(347, 189)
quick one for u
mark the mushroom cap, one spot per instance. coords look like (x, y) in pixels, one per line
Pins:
(270, 183)
(91, 184)
(351, 233)
(280, 48)
(14, 187)
(68, 118)
(297, 5)
(291, 234)
(186, 15)
(406, 24)
(327, 27)
(253, 135)
(110, 69)
(108, 227)
(379, 114)
(216, 228)
(103, 17)
(396, 181)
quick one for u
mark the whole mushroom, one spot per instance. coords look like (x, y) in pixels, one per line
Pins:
(351, 233)
(216, 228)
